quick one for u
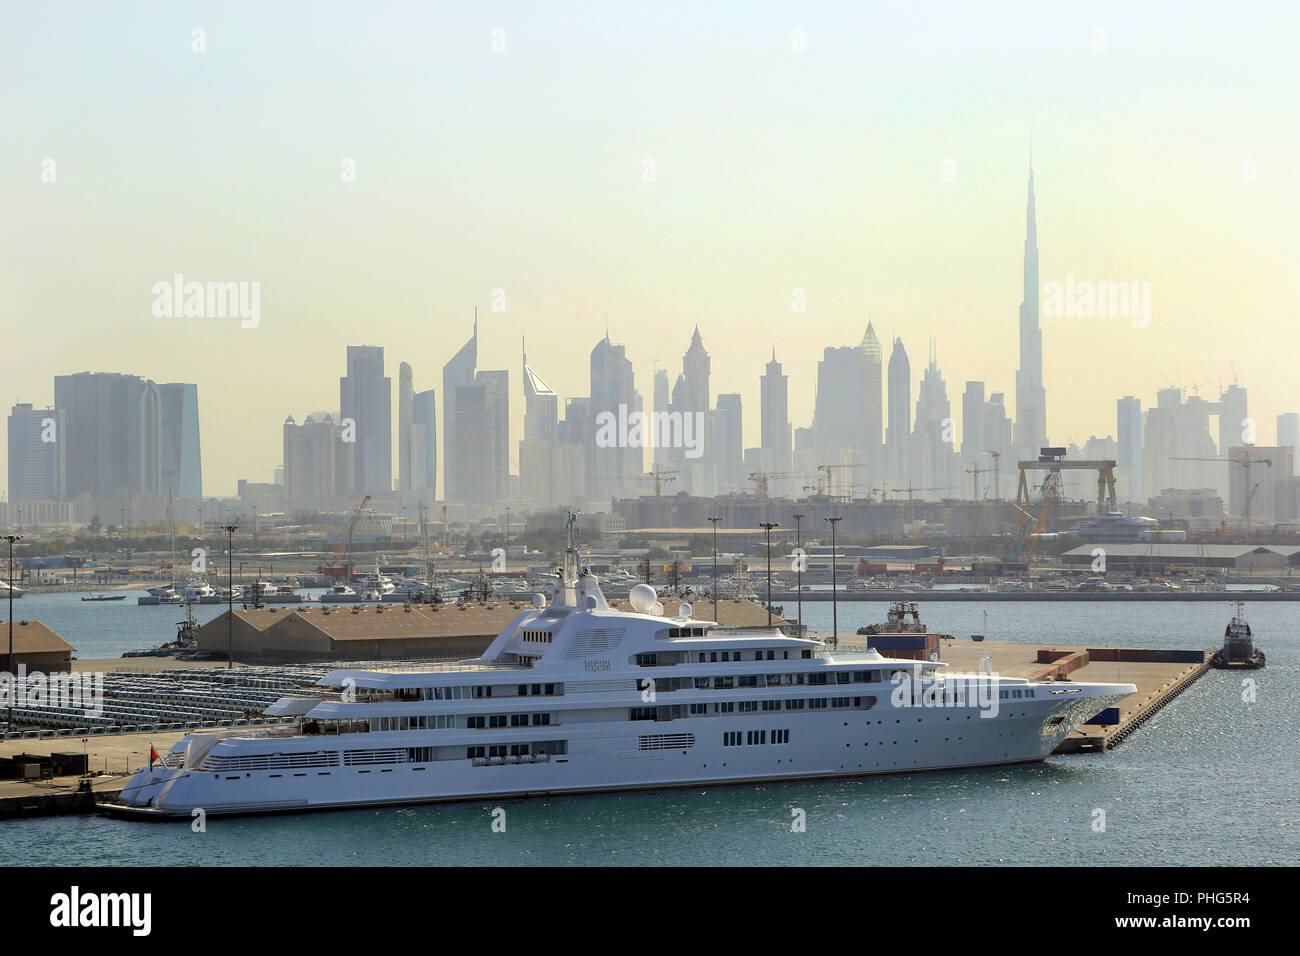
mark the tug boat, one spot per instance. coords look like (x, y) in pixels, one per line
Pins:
(1239, 651)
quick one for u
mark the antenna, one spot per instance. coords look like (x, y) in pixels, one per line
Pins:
(986, 663)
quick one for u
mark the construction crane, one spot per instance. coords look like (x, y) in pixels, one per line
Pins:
(997, 473)
(910, 489)
(1247, 463)
(831, 485)
(345, 546)
(761, 478)
(660, 475)
(976, 471)
(1027, 541)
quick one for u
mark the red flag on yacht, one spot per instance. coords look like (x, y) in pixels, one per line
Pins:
(153, 755)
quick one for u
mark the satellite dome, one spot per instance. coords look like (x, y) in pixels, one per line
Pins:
(684, 611)
(659, 609)
(539, 601)
(642, 597)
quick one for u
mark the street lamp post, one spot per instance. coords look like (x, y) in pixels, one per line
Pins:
(767, 527)
(798, 566)
(715, 521)
(11, 538)
(229, 529)
(835, 617)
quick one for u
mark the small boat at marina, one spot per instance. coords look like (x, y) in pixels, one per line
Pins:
(104, 597)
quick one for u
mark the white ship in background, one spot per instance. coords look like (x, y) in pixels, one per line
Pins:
(577, 696)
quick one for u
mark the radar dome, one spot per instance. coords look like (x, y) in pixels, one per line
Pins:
(539, 601)
(685, 611)
(642, 598)
(659, 608)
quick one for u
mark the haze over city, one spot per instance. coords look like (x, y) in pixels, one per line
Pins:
(874, 159)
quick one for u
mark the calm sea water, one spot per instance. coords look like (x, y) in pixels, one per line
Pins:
(1210, 780)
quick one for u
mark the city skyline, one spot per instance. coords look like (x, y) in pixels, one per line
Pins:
(912, 221)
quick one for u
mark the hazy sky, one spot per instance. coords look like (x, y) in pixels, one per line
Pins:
(1169, 155)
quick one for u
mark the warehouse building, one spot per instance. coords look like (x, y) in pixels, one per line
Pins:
(36, 647)
(387, 632)
(1232, 557)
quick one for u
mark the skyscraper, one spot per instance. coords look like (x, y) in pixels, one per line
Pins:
(694, 381)
(536, 450)
(1031, 397)
(405, 394)
(366, 398)
(37, 467)
(1234, 418)
(774, 412)
(615, 468)
(482, 446)
(1128, 428)
(318, 465)
(182, 474)
(424, 444)
(662, 404)
(1288, 434)
(900, 413)
(848, 410)
(456, 373)
(972, 437)
(932, 464)
(113, 432)
(728, 444)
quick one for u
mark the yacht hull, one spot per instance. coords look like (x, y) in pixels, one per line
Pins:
(833, 744)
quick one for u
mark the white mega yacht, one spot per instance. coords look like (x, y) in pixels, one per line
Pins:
(576, 696)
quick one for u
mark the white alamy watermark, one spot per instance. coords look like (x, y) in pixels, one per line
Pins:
(957, 690)
(124, 910)
(653, 430)
(80, 691)
(179, 299)
(1074, 299)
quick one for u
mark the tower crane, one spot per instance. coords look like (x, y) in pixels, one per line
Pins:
(761, 478)
(1247, 463)
(831, 485)
(660, 475)
(997, 473)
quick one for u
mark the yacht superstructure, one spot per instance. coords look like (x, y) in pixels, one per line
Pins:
(574, 696)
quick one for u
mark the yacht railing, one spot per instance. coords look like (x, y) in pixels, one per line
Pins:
(446, 666)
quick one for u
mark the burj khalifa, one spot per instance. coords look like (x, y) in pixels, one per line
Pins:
(1031, 398)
